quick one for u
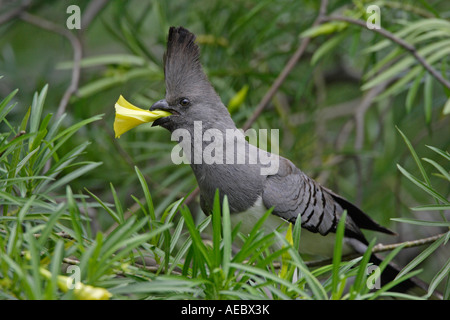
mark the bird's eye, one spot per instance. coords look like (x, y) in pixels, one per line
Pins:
(184, 102)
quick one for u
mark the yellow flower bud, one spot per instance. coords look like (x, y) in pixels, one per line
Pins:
(81, 291)
(238, 99)
(129, 116)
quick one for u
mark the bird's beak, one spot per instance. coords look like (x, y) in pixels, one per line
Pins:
(160, 105)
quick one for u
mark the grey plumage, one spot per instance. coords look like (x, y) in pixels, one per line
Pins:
(289, 191)
(190, 97)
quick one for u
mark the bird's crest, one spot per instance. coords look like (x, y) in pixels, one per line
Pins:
(182, 69)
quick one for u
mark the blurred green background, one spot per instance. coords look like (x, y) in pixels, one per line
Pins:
(338, 133)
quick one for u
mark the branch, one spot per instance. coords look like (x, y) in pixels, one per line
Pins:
(77, 55)
(408, 47)
(379, 248)
(91, 11)
(10, 15)
(407, 244)
(285, 72)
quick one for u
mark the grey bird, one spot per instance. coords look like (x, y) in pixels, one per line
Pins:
(192, 100)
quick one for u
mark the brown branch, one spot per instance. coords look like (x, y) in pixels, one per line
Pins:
(14, 13)
(407, 244)
(91, 11)
(21, 133)
(408, 47)
(379, 248)
(77, 55)
(286, 70)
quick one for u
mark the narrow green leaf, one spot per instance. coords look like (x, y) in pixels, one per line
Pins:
(359, 282)
(297, 232)
(441, 275)
(446, 109)
(227, 238)
(111, 212)
(337, 255)
(117, 203)
(197, 242)
(148, 196)
(36, 111)
(73, 175)
(444, 154)
(412, 92)
(428, 97)
(445, 173)
(432, 207)
(75, 217)
(421, 257)
(327, 46)
(423, 222)
(3, 110)
(415, 157)
(217, 229)
(55, 267)
(422, 185)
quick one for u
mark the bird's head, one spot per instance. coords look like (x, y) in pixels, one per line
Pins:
(189, 95)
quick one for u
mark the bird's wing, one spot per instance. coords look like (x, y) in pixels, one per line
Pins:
(293, 193)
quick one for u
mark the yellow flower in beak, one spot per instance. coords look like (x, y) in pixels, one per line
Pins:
(129, 116)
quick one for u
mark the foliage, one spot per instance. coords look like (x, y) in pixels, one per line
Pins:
(74, 198)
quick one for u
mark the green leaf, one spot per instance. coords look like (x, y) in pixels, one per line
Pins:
(360, 282)
(421, 257)
(327, 46)
(423, 222)
(432, 207)
(148, 196)
(36, 111)
(428, 97)
(422, 185)
(117, 204)
(337, 255)
(413, 91)
(198, 245)
(3, 110)
(217, 229)
(445, 173)
(444, 154)
(73, 175)
(441, 275)
(105, 59)
(446, 109)
(227, 237)
(415, 157)
(324, 29)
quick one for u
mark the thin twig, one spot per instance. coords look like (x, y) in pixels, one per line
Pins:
(77, 55)
(286, 70)
(379, 248)
(91, 11)
(410, 48)
(20, 133)
(14, 13)
(407, 244)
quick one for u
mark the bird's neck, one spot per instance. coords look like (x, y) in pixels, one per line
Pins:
(221, 158)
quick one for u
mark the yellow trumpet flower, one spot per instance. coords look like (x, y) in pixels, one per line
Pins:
(129, 116)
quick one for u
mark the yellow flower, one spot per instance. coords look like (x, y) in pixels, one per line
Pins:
(129, 116)
(81, 291)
